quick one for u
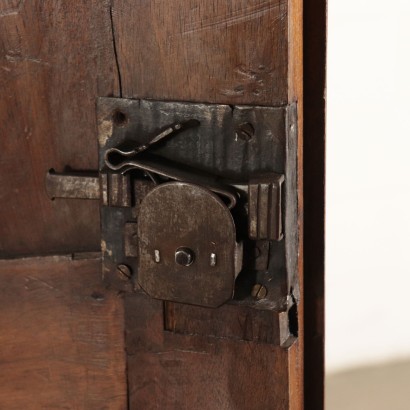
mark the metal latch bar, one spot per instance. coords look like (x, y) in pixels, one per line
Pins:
(75, 186)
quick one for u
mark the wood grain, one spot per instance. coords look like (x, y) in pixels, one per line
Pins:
(232, 52)
(229, 322)
(55, 58)
(169, 371)
(61, 339)
(295, 93)
(61, 343)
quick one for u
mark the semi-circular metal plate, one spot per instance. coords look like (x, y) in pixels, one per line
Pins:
(180, 215)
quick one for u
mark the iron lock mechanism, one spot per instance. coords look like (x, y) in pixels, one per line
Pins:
(196, 212)
(187, 246)
(187, 249)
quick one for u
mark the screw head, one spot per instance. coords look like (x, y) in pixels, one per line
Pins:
(124, 272)
(245, 131)
(184, 256)
(259, 291)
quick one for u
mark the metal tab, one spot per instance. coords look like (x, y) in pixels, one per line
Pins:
(119, 190)
(265, 207)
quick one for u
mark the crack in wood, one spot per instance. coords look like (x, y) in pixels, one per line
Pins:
(117, 63)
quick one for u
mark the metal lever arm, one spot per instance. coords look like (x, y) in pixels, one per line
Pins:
(124, 161)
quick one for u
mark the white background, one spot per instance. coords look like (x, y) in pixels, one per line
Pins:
(368, 183)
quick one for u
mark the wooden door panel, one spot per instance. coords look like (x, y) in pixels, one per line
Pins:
(231, 52)
(172, 371)
(61, 340)
(56, 57)
(66, 341)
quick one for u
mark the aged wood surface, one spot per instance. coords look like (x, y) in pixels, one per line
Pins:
(61, 339)
(295, 93)
(239, 323)
(55, 58)
(232, 52)
(170, 371)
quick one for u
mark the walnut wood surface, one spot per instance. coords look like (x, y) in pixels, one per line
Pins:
(295, 93)
(230, 322)
(61, 343)
(232, 52)
(171, 371)
(55, 59)
(61, 339)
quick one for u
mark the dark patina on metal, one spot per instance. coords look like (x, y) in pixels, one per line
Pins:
(198, 206)
(198, 201)
(181, 226)
(243, 156)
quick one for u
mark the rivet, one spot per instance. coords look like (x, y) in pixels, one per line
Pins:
(212, 259)
(157, 256)
(245, 131)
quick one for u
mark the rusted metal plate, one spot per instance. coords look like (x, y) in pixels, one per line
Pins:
(215, 146)
(232, 143)
(187, 246)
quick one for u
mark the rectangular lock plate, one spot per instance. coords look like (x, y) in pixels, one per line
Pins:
(253, 149)
(199, 209)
